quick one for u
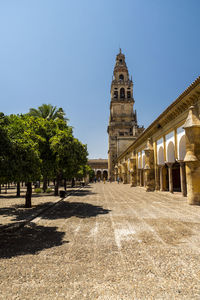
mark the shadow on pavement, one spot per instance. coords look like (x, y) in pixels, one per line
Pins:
(65, 210)
(19, 212)
(29, 240)
(8, 196)
(84, 192)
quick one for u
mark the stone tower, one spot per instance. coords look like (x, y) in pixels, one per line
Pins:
(122, 128)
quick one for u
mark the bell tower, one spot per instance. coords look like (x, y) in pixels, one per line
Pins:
(122, 128)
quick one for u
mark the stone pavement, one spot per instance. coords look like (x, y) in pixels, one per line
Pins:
(108, 241)
(13, 213)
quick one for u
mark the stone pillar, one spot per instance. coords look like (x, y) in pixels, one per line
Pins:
(116, 173)
(149, 167)
(161, 178)
(138, 177)
(133, 173)
(183, 178)
(119, 172)
(192, 158)
(157, 179)
(170, 177)
(141, 174)
(124, 172)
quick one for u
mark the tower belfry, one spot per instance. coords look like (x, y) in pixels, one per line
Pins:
(122, 128)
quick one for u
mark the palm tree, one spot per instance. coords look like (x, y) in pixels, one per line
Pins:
(48, 111)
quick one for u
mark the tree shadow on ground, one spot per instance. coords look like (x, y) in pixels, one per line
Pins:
(20, 213)
(29, 240)
(65, 210)
(84, 192)
(61, 210)
(8, 196)
(69, 191)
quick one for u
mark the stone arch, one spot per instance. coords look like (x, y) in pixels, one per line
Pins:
(170, 153)
(121, 77)
(128, 94)
(115, 94)
(105, 174)
(122, 93)
(98, 174)
(182, 148)
(161, 160)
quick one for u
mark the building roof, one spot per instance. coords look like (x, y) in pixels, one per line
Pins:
(99, 160)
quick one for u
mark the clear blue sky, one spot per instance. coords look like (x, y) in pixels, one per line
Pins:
(63, 52)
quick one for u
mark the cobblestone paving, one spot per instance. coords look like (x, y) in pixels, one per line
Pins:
(108, 241)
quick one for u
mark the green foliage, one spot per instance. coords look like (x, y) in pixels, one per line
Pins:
(48, 112)
(90, 172)
(38, 190)
(49, 190)
(20, 161)
(40, 145)
(70, 153)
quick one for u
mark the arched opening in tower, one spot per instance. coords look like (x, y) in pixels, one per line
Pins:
(122, 93)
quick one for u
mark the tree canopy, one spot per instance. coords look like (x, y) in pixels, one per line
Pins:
(47, 111)
(39, 147)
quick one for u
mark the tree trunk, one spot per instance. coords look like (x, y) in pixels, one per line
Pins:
(18, 189)
(44, 185)
(65, 184)
(56, 186)
(28, 194)
(6, 188)
(73, 182)
(0, 188)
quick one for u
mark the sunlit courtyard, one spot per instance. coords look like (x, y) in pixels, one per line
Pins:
(106, 241)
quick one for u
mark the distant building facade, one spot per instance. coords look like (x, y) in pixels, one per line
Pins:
(100, 167)
(123, 128)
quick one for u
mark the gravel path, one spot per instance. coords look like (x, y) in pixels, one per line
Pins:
(108, 241)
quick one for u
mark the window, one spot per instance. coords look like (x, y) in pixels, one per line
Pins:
(122, 93)
(121, 77)
(115, 94)
(128, 94)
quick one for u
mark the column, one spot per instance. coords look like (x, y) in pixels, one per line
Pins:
(138, 177)
(141, 174)
(161, 178)
(183, 178)
(116, 173)
(170, 177)
(192, 158)
(157, 178)
(149, 177)
(133, 174)
(124, 173)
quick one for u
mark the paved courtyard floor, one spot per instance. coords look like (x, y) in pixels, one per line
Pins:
(108, 241)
